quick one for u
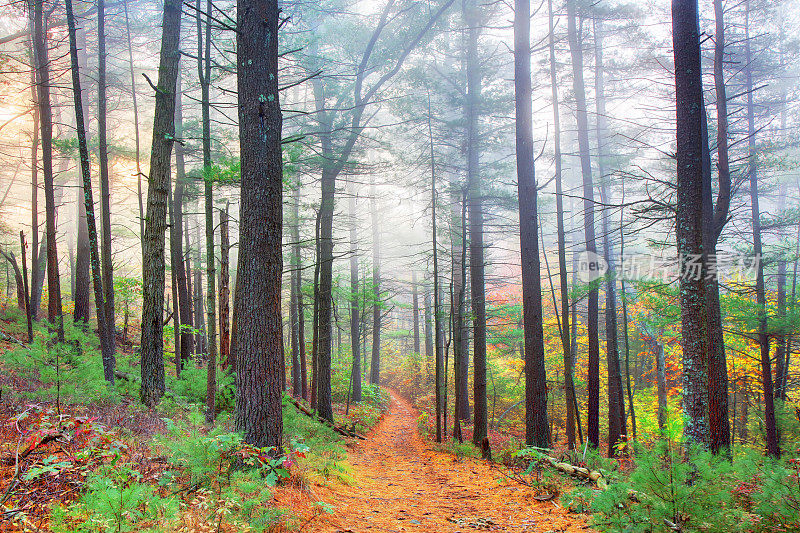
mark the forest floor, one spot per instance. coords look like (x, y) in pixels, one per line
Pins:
(402, 485)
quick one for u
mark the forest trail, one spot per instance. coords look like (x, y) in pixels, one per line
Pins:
(401, 485)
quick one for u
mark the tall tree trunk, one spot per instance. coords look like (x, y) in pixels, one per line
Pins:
(106, 346)
(139, 173)
(152, 344)
(719, 421)
(440, 408)
(36, 272)
(536, 426)
(355, 337)
(204, 74)
(429, 354)
(593, 418)
(472, 18)
(54, 311)
(259, 332)
(224, 290)
(297, 264)
(375, 364)
(616, 399)
(82, 280)
(569, 386)
(181, 228)
(105, 189)
(752, 172)
(175, 236)
(690, 216)
(82, 310)
(415, 310)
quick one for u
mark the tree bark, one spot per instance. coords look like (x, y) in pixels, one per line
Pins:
(106, 346)
(259, 331)
(415, 310)
(105, 189)
(719, 422)
(773, 448)
(375, 363)
(355, 337)
(536, 427)
(472, 16)
(152, 344)
(41, 62)
(593, 418)
(690, 217)
(616, 399)
(82, 310)
(204, 75)
(224, 290)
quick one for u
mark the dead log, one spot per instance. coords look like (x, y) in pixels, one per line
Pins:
(338, 429)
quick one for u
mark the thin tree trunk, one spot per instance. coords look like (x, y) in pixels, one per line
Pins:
(26, 286)
(105, 189)
(301, 335)
(440, 409)
(375, 364)
(36, 273)
(204, 74)
(152, 344)
(224, 290)
(763, 336)
(354, 316)
(719, 421)
(569, 386)
(616, 399)
(139, 173)
(106, 347)
(476, 252)
(593, 418)
(415, 310)
(54, 311)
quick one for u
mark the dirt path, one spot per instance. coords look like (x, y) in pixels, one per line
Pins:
(403, 486)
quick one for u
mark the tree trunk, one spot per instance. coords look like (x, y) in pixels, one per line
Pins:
(752, 172)
(259, 332)
(415, 310)
(176, 223)
(569, 386)
(475, 202)
(440, 408)
(36, 273)
(355, 337)
(297, 259)
(136, 132)
(204, 75)
(224, 290)
(616, 399)
(690, 217)
(719, 422)
(593, 418)
(375, 364)
(82, 310)
(152, 344)
(41, 61)
(106, 346)
(105, 189)
(536, 426)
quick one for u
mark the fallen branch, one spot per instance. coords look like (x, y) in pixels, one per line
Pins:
(8, 338)
(338, 429)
